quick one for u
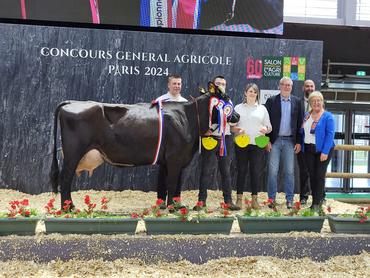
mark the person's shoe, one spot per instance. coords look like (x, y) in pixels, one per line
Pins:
(315, 208)
(255, 204)
(199, 208)
(232, 206)
(162, 206)
(303, 201)
(272, 205)
(289, 204)
(239, 200)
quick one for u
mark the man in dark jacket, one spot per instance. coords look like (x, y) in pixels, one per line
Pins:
(286, 112)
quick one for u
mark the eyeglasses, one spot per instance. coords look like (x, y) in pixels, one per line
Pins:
(285, 84)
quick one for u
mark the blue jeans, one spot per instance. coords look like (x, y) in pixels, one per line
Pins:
(282, 151)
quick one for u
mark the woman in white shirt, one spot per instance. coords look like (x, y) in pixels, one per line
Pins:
(254, 122)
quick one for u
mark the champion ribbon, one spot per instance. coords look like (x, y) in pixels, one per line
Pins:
(224, 110)
(94, 7)
(23, 9)
(160, 129)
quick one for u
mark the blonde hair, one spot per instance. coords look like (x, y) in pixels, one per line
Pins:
(312, 95)
(255, 88)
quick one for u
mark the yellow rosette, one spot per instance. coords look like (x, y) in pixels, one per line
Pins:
(242, 140)
(209, 143)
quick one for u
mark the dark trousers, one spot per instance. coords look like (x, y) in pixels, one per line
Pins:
(250, 160)
(207, 170)
(303, 177)
(317, 171)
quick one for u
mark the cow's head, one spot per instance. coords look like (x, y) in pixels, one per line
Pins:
(220, 104)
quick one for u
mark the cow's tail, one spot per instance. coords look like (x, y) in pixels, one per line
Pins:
(54, 172)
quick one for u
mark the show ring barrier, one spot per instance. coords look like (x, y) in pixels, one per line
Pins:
(344, 175)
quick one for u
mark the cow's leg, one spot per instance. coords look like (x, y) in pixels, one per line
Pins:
(161, 184)
(173, 177)
(70, 162)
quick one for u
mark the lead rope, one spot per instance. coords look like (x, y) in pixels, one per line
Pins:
(199, 133)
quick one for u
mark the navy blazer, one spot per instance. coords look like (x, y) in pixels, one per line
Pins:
(273, 105)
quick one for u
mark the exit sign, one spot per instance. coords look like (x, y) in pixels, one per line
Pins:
(360, 73)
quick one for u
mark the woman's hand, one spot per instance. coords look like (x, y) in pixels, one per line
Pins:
(263, 130)
(323, 157)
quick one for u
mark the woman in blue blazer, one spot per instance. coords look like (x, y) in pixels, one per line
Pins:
(318, 142)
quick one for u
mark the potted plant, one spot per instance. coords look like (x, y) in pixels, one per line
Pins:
(19, 220)
(88, 220)
(355, 223)
(257, 221)
(177, 219)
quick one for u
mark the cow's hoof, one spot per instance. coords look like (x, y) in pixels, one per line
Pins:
(232, 206)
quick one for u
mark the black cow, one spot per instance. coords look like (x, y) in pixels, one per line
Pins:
(127, 135)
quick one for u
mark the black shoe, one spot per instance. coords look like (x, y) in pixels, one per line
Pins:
(272, 205)
(289, 204)
(303, 201)
(232, 206)
(315, 208)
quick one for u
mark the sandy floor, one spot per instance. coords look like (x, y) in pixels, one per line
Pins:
(349, 266)
(136, 201)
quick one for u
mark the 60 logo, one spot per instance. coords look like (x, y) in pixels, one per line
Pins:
(254, 68)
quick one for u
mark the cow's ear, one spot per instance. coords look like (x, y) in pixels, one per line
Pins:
(211, 87)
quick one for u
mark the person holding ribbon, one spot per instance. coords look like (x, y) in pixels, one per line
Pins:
(250, 141)
(318, 131)
(216, 143)
(174, 94)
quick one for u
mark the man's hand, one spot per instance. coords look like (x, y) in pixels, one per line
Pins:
(237, 129)
(297, 148)
(268, 147)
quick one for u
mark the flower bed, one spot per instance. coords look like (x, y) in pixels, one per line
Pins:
(356, 223)
(177, 219)
(254, 221)
(19, 220)
(87, 221)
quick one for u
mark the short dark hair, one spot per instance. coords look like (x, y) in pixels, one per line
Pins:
(218, 76)
(174, 76)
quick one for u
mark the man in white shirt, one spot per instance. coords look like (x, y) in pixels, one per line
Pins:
(174, 90)
(174, 94)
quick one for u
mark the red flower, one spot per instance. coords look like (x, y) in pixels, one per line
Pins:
(58, 212)
(159, 202)
(170, 207)
(329, 209)
(177, 199)
(158, 213)
(27, 213)
(270, 200)
(87, 199)
(134, 215)
(297, 205)
(200, 204)
(183, 211)
(25, 202)
(224, 205)
(226, 213)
